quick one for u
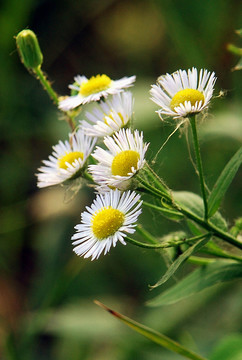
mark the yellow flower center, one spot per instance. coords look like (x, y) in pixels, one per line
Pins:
(111, 117)
(106, 221)
(95, 84)
(124, 161)
(191, 95)
(69, 158)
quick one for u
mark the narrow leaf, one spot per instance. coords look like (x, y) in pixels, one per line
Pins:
(181, 259)
(223, 182)
(153, 335)
(200, 279)
(171, 214)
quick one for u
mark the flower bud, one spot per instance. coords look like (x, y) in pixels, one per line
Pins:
(29, 50)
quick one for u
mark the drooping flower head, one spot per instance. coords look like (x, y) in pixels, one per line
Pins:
(110, 218)
(110, 116)
(123, 159)
(183, 92)
(93, 89)
(67, 160)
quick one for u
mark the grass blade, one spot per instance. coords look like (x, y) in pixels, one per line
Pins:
(153, 335)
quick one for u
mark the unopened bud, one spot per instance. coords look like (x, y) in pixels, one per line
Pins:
(29, 50)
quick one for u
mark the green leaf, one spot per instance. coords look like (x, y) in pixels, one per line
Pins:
(180, 260)
(200, 279)
(194, 203)
(171, 214)
(223, 182)
(229, 348)
(153, 335)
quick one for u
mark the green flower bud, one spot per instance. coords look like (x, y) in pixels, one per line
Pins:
(29, 50)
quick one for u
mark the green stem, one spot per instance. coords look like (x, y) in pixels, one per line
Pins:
(165, 244)
(199, 165)
(206, 225)
(158, 208)
(212, 228)
(53, 95)
(196, 260)
(88, 177)
(155, 179)
(146, 234)
(46, 85)
(143, 245)
(71, 122)
(221, 253)
(146, 187)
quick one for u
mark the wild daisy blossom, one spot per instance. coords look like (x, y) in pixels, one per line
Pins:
(67, 160)
(110, 116)
(183, 92)
(109, 219)
(124, 158)
(93, 89)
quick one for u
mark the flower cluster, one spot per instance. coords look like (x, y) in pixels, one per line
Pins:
(114, 170)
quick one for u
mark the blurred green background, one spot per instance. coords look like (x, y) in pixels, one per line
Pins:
(47, 292)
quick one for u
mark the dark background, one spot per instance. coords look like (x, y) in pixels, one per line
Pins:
(47, 292)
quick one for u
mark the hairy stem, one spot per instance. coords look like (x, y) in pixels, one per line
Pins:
(46, 85)
(199, 165)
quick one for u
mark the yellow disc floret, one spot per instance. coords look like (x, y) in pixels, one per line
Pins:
(106, 221)
(191, 95)
(124, 161)
(95, 84)
(69, 158)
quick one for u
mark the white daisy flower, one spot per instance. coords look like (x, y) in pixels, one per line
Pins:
(67, 160)
(110, 116)
(109, 219)
(93, 89)
(183, 92)
(116, 167)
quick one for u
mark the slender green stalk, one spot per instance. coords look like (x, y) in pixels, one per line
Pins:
(148, 190)
(146, 234)
(71, 122)
(88, 176)
(199, 164)
(197, 260)
(152, 206)
(212, 228)
(221, 253)
(155, 179)
(146, 187)
(46, 85)
(53, 95)
(206, 225)
(164, 244)
(144, 245)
